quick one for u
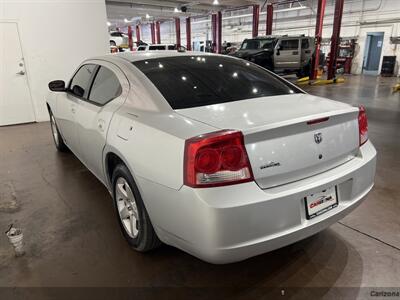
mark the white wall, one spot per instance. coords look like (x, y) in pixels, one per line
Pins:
(56, 35)
(360, 17)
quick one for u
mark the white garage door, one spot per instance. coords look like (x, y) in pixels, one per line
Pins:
(15, 98)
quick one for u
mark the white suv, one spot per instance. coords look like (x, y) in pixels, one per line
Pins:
(118, 39)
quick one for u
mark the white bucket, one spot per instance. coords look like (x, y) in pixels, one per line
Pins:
(15, 236)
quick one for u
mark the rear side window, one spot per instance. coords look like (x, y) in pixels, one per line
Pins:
(105, 87)
(171, 47)
(191, 81)
(289, 44)
(142, 48)
(305, 44)
(79, 85)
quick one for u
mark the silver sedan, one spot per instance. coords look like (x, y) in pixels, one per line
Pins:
(212, 154)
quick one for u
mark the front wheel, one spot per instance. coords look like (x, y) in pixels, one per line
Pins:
(57, 138)
(132, 215)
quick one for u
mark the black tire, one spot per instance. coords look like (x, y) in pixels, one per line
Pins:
(304, 71)
(57, 137)
(146, 238)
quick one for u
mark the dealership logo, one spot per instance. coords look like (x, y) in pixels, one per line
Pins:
(321, 200)
(318, 137)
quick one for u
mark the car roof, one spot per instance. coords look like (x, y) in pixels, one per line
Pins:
(138, 56)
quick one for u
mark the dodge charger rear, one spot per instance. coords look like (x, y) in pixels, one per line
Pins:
(229, 160)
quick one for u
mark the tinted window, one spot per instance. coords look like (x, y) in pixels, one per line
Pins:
(191, 81)
(142, 48)
(289, 44)
(305, 44)
(171, 47)
(268, 44)
(156, 47)
(257, 44)
(82, 79)
(250, 45)
(105, 87)
(116, 34)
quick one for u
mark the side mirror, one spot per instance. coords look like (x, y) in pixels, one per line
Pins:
(78, 91)
(57, 86)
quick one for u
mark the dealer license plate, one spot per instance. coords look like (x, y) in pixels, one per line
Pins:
(319, 203)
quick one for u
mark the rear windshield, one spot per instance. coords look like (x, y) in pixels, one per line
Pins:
(192, 81)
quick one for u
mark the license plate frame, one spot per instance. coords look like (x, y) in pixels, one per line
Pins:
(328, 198)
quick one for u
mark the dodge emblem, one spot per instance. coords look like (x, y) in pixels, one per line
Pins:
(318, 137)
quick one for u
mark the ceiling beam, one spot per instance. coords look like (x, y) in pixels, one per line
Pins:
(192, 6)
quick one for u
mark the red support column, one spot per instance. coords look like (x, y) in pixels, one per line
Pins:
(318, 36)
(270, 16)
(130, 40)
(188, 34)
(178, 32)
(158, 32)
(153, 33)
(214, 32)
(335, 40)
(138, 33)
(256, 19)
(219, 32)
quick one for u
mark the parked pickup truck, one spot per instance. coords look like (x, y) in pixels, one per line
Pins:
(280, 54)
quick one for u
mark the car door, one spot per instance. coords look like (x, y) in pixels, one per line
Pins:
(287, 54)
(306, 52)
(78, 88)
(108, 92)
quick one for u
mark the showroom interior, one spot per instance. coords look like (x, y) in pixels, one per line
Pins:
(61, 221)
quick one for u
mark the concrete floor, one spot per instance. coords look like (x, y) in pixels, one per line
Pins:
(73, 239)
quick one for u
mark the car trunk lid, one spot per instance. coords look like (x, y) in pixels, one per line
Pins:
(282, 144)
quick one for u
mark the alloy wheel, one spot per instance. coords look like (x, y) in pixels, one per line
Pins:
(127, 208)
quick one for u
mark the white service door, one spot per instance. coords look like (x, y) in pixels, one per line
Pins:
(15, 98)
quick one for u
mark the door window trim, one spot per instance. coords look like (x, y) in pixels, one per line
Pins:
(103, 63)
(69, 91)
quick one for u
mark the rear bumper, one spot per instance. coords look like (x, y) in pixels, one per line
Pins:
(232, 223)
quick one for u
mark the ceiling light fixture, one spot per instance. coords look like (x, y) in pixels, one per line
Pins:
(176, 10)
(126, 20)
(108, 23)
(215, 2)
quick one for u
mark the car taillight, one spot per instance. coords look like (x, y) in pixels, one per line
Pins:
(216, 159)
(362, 125)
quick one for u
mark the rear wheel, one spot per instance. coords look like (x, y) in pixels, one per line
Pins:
(57, 138)
(112, 43)
(132, 215)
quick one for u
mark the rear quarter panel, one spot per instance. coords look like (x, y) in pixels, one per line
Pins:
(152, 144)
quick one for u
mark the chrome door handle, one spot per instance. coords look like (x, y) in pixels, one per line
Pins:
(20, 73)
